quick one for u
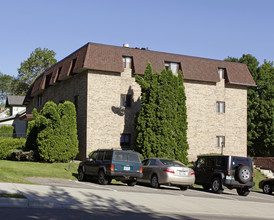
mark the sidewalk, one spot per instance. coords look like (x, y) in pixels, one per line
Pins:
(41, 196)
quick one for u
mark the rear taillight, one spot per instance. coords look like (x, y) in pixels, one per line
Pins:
(192, 173)
(111, 167)
(168, 170)
(228, 172)
(141, 169)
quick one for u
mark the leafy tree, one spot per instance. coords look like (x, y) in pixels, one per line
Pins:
(5, 87)
(30, 69)
(260, 102)
(161, 123)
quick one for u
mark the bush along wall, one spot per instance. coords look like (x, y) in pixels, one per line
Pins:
(10, 144)
(53, 133)
(6, 131)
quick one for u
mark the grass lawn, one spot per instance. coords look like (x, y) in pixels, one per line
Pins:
(16, 171)
(258, 177)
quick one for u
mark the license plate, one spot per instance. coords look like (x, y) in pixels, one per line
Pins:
(182, 173)
(228, 177)
(126, 168)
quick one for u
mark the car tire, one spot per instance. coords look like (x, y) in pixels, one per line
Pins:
(102, 178)
(81, 175)
(244, 174)
(132, 182)
(206, 187)
(154, 181)
(243, 191)
(267, 189)
(184, 188)
(216, 185)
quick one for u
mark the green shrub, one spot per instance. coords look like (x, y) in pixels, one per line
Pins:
(6, 131)
(9, 144)
(53, 133)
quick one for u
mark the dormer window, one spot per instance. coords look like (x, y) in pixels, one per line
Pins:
(221, 72)
(48, 78)
(127, 62)
(174, 67)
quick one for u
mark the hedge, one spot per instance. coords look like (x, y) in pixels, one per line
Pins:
(6, 131)
(10, 144)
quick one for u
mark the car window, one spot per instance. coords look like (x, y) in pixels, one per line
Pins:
(133, 157)
(108, 155)
(126, 156)
(145, 162)
(152, 162)
(201, 162)
(220, 161)
(100, 155)
(236, 161)
(94, 155)
(210, 162)
(173, 163)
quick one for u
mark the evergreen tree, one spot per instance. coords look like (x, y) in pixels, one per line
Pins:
(53, 132)
(162, 118)
(260, 105)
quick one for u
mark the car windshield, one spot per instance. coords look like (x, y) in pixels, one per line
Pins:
(126, 156)
(173, 163)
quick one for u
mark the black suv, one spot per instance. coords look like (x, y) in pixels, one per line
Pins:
(215, 172)
(111, 164)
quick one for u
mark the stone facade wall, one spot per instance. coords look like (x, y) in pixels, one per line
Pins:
(205, 123)
(101, 120)
(106, 119)
(66, 91)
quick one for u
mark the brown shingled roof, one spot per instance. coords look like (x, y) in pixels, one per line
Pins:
(109, 58)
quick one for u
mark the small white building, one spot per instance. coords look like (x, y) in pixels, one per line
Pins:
(16, 110)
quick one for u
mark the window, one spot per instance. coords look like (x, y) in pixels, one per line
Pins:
(48, 78)
(58, 74)
(94, 155)
(76, 103)
(126, 100)
(220, 141)
(72, 66)
(125, 140)
(220, 107)
(39, 100)
(127, 62)
(221, 73)
(174, 67)
(108, 155)
(100, 155)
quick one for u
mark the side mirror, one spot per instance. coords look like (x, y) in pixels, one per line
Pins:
(89, 159)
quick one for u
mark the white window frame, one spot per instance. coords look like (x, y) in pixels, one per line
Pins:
(221, 72)
(173, 66)
(220, 107)
(127, 62)
(220, 141)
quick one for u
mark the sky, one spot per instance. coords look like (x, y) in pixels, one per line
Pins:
(212, 29)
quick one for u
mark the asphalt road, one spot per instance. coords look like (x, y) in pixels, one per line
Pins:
(254, 196)
(70, 199)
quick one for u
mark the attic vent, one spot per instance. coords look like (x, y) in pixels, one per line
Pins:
(126, 45)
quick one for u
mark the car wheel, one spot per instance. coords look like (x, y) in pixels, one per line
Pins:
(216, 185)
(244, 174)
(183, 188)
(267, 188)
(109, 181)
(81, 175)
(132, 182)
(243, 191)
(102, 178)
(206, 187)
(154, 181)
